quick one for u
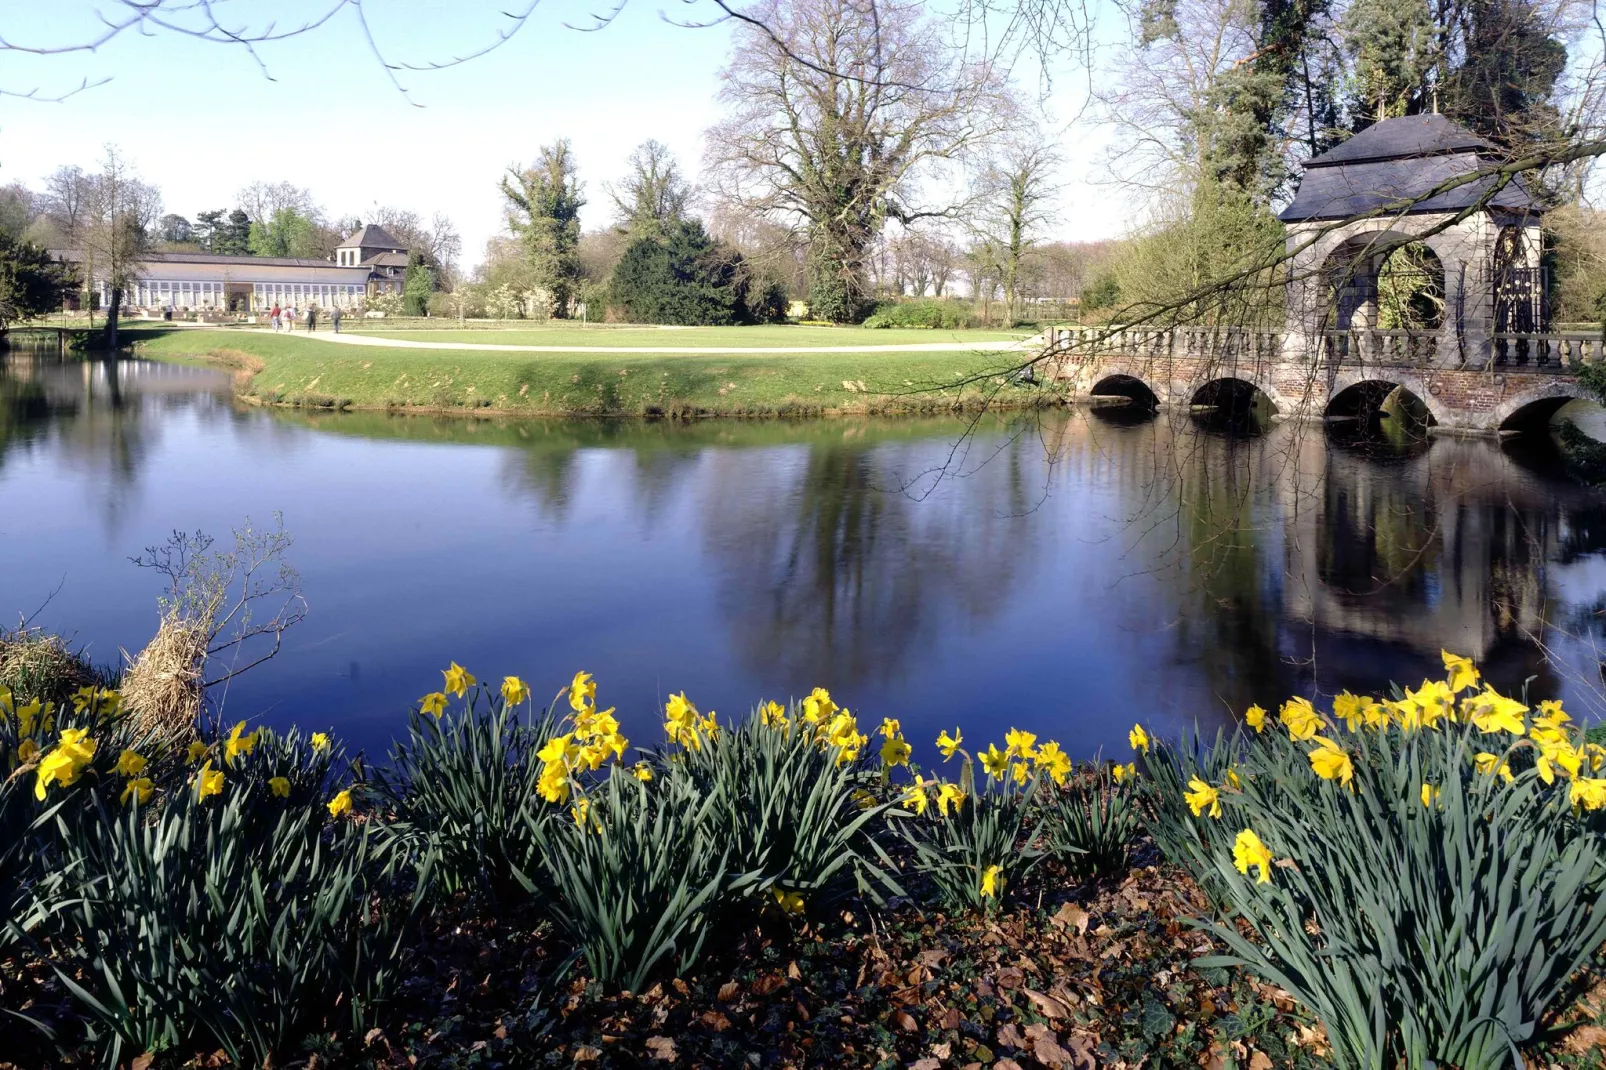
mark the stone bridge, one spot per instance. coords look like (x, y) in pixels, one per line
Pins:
(1522, 381)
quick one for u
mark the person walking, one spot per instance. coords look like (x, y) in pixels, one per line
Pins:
(289, 317)
(334, 316)
(312, 318)
(274, 316)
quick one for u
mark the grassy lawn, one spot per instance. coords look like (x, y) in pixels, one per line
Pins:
(744, 337)
(317, 374)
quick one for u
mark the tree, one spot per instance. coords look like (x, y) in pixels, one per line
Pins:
(16, 210)
(418, 284)
(32, 282)
(286, 233)
(264, 200)
(175, 229)
(66, 195)
(686, 278)
(438, 241)
(653, 198)
(235, 239)
(1020, 187)
(119, 216)
(208, 226)
(840, 110)
(544, 203)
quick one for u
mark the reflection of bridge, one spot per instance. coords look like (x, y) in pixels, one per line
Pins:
(1186, 365)
(1411, 269)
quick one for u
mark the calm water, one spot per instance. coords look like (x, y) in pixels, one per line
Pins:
(1069, 573)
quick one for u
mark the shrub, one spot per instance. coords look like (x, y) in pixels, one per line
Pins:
(789, 807)
(686, 278)
(1092, 821)
(461, 790)
(932, 313)
(235, 918)
(992, 836)
(1428, 872)
(634, 874)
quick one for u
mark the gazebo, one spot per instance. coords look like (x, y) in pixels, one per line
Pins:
(1479, 278)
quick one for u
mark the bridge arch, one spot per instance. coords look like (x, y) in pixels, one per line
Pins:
(1234, 401)
(1113, 384)
(1367, 398)
(1534, 407)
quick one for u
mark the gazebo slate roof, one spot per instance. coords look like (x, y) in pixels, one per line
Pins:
(371, 236)
(1401, 159)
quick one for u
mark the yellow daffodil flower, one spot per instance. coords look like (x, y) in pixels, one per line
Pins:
(1375, 715)
(895, 752)
(280, 786)
(1350, 709)
(948, 744)
(514, 690)
(433, 704)
(890, 727)
(1588, 792)
(1138, 738)
(209, 781)
(641, 771)
(773, 715)
(1489, 764)
(238, 743)
(320, 742)
(130, 764)
(458, 679)
(1430, 794)
(1332, 762)
(27, 751)
(789, 902)
(949, 793)
(992, 881)
(1123, 773)
(818, 707)
(1551, 715)
(1492, 712)
(1462, 675)
(139, 789)
(1202, 797)
(1248, 850)
(995, 761)
(341, 803)
(1255, 717)
(1018, 744)
(70, 756)
(916, 797)
(1232, 779)
(1300, 719)
(554, 783)
(583, 692)
(1432, 703)
(1054, 761)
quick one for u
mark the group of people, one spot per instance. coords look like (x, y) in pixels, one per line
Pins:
(287, 316)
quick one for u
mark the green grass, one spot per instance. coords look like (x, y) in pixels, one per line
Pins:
(316, 374)
(744, 337)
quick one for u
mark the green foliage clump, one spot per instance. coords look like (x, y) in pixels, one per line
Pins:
(931, 313)
(1092, 823)
(1427, 874)
(684, 278)
(32, 282)
(417, 287)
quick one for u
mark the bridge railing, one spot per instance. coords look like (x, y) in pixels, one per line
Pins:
(1557, 351)
(1232, 343)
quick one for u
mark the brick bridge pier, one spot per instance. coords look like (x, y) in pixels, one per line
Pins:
(1522, 381)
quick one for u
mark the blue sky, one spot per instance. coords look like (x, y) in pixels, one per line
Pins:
(200, 120)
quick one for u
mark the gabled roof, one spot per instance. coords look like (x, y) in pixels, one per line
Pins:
(1404, 160)
(371, 237)
(1412, 136)
(386, 260)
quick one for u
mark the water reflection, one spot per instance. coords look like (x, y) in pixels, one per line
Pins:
(1071, 572)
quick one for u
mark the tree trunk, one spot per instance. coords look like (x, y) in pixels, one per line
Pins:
(112, 311)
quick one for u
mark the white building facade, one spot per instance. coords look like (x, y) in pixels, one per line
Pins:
(190, 282)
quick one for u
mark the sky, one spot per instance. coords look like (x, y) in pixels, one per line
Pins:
(202, 120)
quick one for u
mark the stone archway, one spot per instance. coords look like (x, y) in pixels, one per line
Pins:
(1130, 389)
(1532, 409)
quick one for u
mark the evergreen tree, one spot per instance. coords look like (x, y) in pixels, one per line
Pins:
(32, 283)
(418, 285)
(685, 278)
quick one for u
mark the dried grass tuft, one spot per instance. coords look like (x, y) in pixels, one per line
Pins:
(37, 665)
(161, 687)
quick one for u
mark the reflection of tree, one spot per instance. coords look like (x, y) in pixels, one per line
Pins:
(841, 576)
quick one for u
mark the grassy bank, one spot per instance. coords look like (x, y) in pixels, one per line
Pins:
(317, 374)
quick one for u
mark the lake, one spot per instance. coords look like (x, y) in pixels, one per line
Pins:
(1069, 572)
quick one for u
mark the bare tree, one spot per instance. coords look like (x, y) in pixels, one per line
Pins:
(66, 193)
(120, 214)
(839, 111)
(263, 200)
(654, 195)
(1019, 188)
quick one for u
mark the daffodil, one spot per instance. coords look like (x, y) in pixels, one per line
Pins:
(1375, 715)
(1489, 764)
(1492, 712)
(916, 797)
(1300, 719)
(1138, 738)
(641, 771)
(1255, 717)
(458, 679)
(208, 781)
(1551, 715)
(1054, 761)
(992, 881)
(995, 761)
(139, 789)
(1202, 797)
(27, 751)
(280, 786)
(948, 744)
(1429, 704)
(320, 742)
(1430, 794)
(1332, 762)
(238, 743)
(949, 794)
(1248, 850)
(582, 692)
(1233, 780)
(433, 704)
(818, 707)
(130, 763)
(890, 727)
(554, 783)
(70, 756)
(27, 713)
(1123, 773)
(1588, 792)
(1018, 744)
(790, 902)
(341, 803)
(773, 715)
(895, 752)
(1461, 674)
